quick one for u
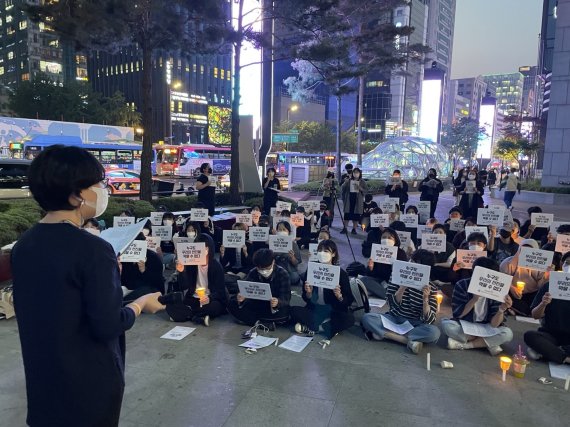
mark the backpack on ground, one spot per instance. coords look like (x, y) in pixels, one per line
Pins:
(360, 305)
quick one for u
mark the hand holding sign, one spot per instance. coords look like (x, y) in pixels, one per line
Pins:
(323, 275)
(123, 221)
(384, 254)
(254, 290)
(233, 238)
(199, 215)
(259, 234)
(410, 274)
(466, 258)
(535, 259)
(244, 219)
(490, 284)
(559, 285)
(191, 253)
(136, 252)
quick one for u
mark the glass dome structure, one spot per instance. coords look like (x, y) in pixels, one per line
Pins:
(411, 155)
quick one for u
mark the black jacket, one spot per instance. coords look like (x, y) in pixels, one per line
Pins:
(430, 193)
(400, 192)
(229, 259)
(382, 272)
(188, 278)
(132, 278)
(328, 294)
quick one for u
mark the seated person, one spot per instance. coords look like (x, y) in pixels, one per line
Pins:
(454, 213)
(400, 226)
(276, 311)
(326, 309)
(167, 247)
(192, 230)
(408, 304)
(128, 212)
(324, 235)
(209, 276)
(516, 231)
(533, 280)
(459, 239)
(411, 209)
(475, 242)
(369, 206)
(291, 260)
(303, 233)
(443, 260)
(529, 231)
(92, 226)
(378, 275)
(373, 236)
(322, 220)
(552, 340)
(234, 261)
(502, 246)
(143, 277)
(550, 244)
(264, 221)
(476, 309)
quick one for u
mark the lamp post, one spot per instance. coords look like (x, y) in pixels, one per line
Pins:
(292, 108)
(140, 133)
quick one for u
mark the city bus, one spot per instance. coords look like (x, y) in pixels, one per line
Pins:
(185, 160)
(281, 161)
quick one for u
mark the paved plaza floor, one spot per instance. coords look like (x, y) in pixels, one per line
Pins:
(207, 380)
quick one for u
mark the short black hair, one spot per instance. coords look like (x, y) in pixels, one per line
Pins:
(300, 209)
(271, 170)
(398, 226)
(59, 172)
(284, 224)
(438, 226)
(413, 208)
(329, 245)
(128, 212)
(168, 215)
(477, 237)
(93, 222)
(264, 219)
(204, 166)
(564, 257)
(286, 213)
(534, 209)
(263, 258)
(424, 257)
(396, 171)
(348, 166)
(325, 231)
(484, 262)
(563, 228)
(368, 198)
(456, 209)
(195, 225)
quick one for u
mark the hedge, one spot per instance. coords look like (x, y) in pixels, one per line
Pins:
(536, 185)
(375, 186)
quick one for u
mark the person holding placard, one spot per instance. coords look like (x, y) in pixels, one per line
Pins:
(373, 235)
(552, 244)
(475, 242)
(455, 214)
(92, 226)
(321, 220)
(205, 184)
(430, 188)
(412, 210)
(552, 341)
(458, 182)
(234, 261)
(271, 187)
(533, 280)
(303, 233)
(460, 238)
(418, 307)
(471, 192)
(531, 231)
(323, 304)
(410, 246)
(209, 301)
(275, 311)
(289, 261)
(143, 277)
(476, 309)
(443, 260)
(398, 189)
(369, 206)
(502, 246)
(68, 298)
(167, 246)
(352, 191)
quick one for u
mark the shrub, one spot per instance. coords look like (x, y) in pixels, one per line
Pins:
(117, 205)
(176, 204)
(536, 185)
(375, 186)
(17, 216)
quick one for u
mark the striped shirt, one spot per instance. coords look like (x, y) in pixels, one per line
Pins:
(460, 299)
(412, 305)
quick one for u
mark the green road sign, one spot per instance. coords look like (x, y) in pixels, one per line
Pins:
(288, 138)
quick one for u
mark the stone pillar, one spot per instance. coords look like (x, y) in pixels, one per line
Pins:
(556, 169)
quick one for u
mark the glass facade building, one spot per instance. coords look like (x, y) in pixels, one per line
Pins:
(508, 91)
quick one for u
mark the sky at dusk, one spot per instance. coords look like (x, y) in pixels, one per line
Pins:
(495, 36)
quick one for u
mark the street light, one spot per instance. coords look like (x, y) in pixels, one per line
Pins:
(140, 132)
(293, 108)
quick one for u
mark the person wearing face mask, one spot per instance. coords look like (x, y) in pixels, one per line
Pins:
(457, 183)
(550, 244)
(328, 187)
(534, 280)
(475, 309)
(410, 247)
(511, 185)
(303, 233)
(206, 186)
(269, 313)
(289, 261)
(475, 242)
(460, 237)
(322, 220)
(398, 190)
(418, 307)
(430, 188)
(92, 226)
(264, 221)
(271, 187)
(325, 309)
(369, 206)
(167, 247)
(186, 306)
(372, 236)
(454, 213)
(531, 231)
(502, 246)
(471, 202)
(552, 340)
(352, 191)
(193, 231)
(73, 347)
(443, 260)
(234, 261)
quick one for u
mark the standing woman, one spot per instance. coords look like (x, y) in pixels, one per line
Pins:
(471, 202)
(457, 183)
(329, 187)
(271, 187)
(430, 187)
(352, 191)
(74, 346)
(206, 187)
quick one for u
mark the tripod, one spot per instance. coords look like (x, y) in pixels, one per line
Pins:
(340, 212)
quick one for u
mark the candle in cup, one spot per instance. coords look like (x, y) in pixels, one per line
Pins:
(439, 298)
(201, 292)
(520, 286)
(505, 365)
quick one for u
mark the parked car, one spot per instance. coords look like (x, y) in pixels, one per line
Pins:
(122, 181)
(14, 179)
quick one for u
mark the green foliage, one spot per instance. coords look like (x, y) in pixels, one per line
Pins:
(16, 217)
(536, 185)
(462, 138)
(375, 186)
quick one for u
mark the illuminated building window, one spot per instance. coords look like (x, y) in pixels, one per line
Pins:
(171, 105)
(25, 77)
(194, 67)
(179, 107)
(229, 75)
(11, 55)
(216, 72)
(1, 71)
(222, 74)
(137, 66)
(201, 69)
(23, 25)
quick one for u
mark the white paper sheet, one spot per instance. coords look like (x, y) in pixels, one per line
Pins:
(296, 343)
(376, 302)
(478, 329)
(259, 342)
(559, 371)
(178, 333)
(400, 329)
(527, 320)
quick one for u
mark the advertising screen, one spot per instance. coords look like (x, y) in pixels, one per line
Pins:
(430, 109)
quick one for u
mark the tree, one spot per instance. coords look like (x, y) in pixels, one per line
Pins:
(462, 138)
(153, 27)
(508, 150)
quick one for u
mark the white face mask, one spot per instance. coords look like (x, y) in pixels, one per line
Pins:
(324, 257)
(470, 176)
(102, 201)
(388, 242)
(146, 231)
(475, 248)
(282, 233)
(168, 222)
(191, 234)
(566, 268)
(93, 231)
(265, 273)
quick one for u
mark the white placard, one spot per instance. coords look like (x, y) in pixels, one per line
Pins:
(493, 215)
(354, 186)
(213, 180)
(313, 252)
(298, 220)
(400, 329)
(135, 252)
(469, 257)
(281, 206)
(559, 371)
(542, 220)
(379, 220)
(280, 244)
(255, 290)
(395, 180)
(323, 275)
(554, 226)
(457, 225)
(384, 254)
(310, 205)
(162, 231)
(490, 284)
(272, 212)
(156, 218)
(424, 208)
(178, 333)
(562, 244)
(559, 285)
(470, 187)
(199, 215)
(191, 253)
(483, 330)
(434, 242)
(411, 220)
(177, 240)
(423, 229)
(244, 219)
(405, 239)
(258, 234)
(296, 343)
(388, 206)
(153, 243)
(470, 229)
(535, 259)
(123, 221)
(410, 274)
(527, 320)
(233, 239)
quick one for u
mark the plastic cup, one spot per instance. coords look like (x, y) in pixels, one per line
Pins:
(520, 286)
(439, 298)
(519, 365)
(505, 363)
(201, 292)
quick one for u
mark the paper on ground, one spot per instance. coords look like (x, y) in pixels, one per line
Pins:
(483, 330)
(559, 371)
(400, 329)
(258, 342)
(376, 302)
(528, 320)
(178, 333)
(296, 343)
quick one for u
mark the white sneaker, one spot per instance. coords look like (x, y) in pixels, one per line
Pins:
(454, 344)
(495, 350)
(415, 346)
(532, 354)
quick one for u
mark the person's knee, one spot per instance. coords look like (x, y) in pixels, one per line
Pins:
(368, 320)
(433, 334)
(529, 336)
(507, 334)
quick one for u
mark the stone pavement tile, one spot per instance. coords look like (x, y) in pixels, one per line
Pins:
(263, 408)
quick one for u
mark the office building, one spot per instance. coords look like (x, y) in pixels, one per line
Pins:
(458, 106)
(508, 90)
(473, 89)
(377, 106)
(28, 48)
(532, 91)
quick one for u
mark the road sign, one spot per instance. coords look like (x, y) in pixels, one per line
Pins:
(288, 138)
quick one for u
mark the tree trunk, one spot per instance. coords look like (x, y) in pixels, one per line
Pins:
(338, 135)
(146, 157)
(234, 171)
(360, 116)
